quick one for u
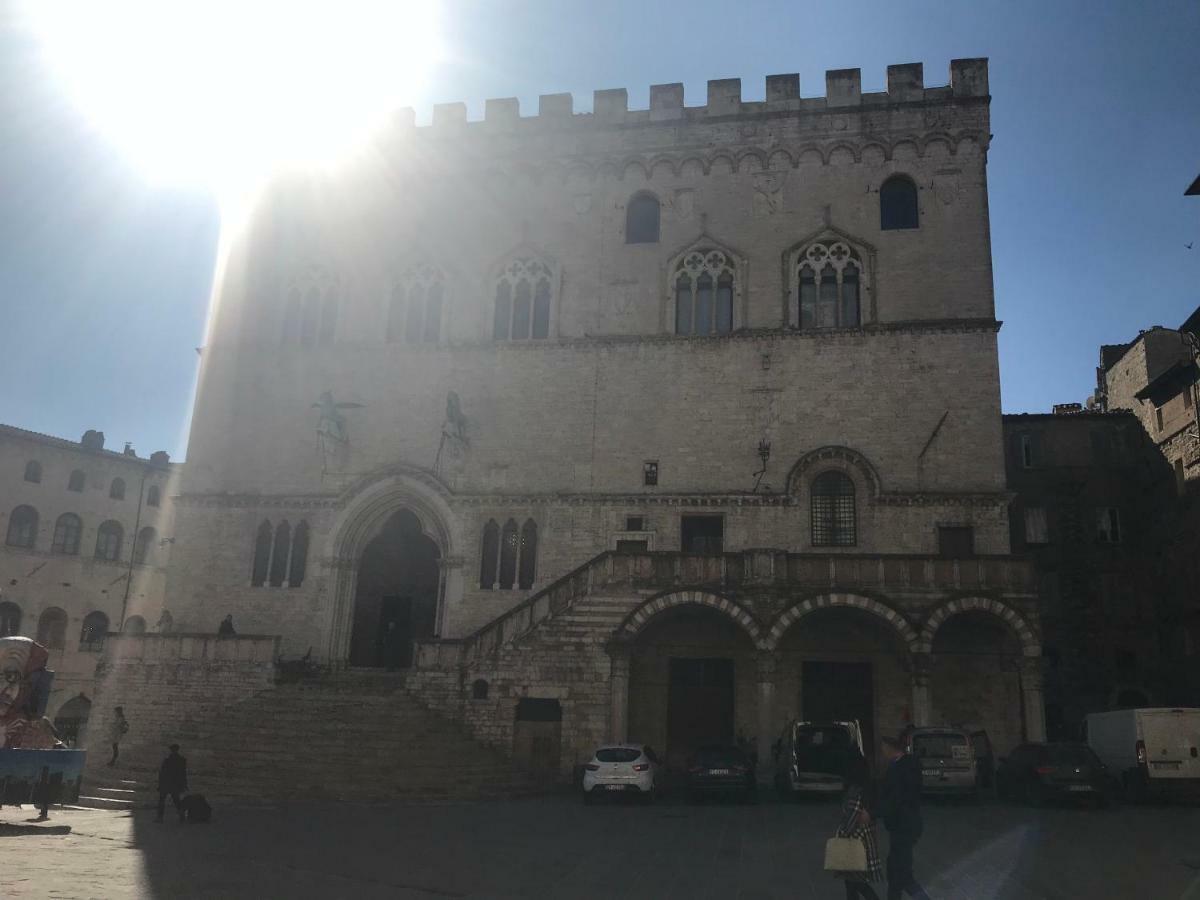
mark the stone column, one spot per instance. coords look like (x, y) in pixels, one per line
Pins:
(1033, 701)
(618, 718)
(767, 671)
(450, 590)
(922, 711)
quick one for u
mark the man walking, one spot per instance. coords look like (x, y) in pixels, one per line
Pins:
(172, 780)
(900, 809)
(116, 730)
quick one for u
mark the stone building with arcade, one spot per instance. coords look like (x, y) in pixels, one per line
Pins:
(668, 424)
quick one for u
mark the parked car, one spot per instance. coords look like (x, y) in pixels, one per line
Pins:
(722, 770)
(947, 760)
(812, 757)
(1036, 773)
(1151, 752)
(621, 769)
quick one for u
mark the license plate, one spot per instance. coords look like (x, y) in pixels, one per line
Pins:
(933, 772)
(614, 787)
(1079, 787)
(718, 771)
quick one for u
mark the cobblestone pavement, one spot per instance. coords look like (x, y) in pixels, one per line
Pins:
(556, 847)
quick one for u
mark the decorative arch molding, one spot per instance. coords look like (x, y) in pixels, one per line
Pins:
(832, 456)
(703, 246)
(794, 614)
(637, 620)
(368, 503)
(1031, 645)
(793, 257)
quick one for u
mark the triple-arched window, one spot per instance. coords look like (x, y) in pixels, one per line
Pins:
(67, 531)
(311, 311)
(22, 527)
(830, 276)
(834, 515)
(898, 207)
(33, 471)
(524, 291)
(280, 555)
(641, 219)
(109, 536)
(508, 555)
(704, 285)
(416, 307)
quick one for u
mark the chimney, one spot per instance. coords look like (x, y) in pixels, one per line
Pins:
(160, 458)
(92, 440)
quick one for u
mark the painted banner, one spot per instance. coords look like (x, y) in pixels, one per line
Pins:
(21, 775)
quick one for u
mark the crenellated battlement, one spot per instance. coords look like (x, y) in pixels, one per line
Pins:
(843, 93)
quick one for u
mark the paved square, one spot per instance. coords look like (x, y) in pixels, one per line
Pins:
(556, 847)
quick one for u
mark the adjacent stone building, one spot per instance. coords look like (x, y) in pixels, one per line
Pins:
(87, 538)
(667, 424)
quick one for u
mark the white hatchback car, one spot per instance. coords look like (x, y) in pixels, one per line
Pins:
(621, 769)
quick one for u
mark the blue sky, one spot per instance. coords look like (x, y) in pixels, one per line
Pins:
(104, 278)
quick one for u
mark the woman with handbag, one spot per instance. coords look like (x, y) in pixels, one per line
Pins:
(853, 854)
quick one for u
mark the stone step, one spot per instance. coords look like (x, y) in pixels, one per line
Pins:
(104, 802)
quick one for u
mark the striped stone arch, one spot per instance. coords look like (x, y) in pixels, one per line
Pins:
(794, 614)
(1030, 644)
(640, 617)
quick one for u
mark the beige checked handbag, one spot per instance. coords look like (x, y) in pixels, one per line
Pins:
(845, 854)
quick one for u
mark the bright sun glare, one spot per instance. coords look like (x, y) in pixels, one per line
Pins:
(221, 93)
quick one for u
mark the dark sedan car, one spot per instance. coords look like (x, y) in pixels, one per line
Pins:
(721, 770)
(1036, 773)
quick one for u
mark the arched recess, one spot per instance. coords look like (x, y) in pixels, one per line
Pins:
(831, 456)
(637, 620)
(1031, 646)
(794, 614)
(366, 508)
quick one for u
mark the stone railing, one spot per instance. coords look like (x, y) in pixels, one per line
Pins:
(189, 647)
(744, 571)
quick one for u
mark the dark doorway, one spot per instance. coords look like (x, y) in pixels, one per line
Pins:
(396, 600)
(702, 534)
(537, 736)
(839, 692)
(699, 705)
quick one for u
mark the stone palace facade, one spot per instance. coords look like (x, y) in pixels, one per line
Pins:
(667, 424)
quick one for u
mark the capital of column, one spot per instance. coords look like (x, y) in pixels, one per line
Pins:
(452, 562)
(341, 563)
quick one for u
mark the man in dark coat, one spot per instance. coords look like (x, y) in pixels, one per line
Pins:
(225, 629)
(172, 780)
(900, 809)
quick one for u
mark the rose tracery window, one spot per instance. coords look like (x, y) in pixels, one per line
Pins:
(522, 306)
(830, 276)
(704, 285)
(415, 309)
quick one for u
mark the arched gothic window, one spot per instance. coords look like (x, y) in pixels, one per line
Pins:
(415, 309)
(10, 619)
(311, 309)
(705, 282)
(33, 471)
(108, 541)
(489, 555)
(52, 629)
(22, 527)
(508, 555)
(526, 571)
(93, 632)
(523, 299)
(279, 556)
(77, 481)
(262, 555)
(833, 511)
(830, 277)
(144, 545)
(898, 207)
(116, 490)
(641, 219)
(299, 563)
(67, 531)
(153, 495)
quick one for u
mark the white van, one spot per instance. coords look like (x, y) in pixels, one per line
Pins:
(1151, 751)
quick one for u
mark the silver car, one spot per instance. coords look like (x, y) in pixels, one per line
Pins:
(947, 760)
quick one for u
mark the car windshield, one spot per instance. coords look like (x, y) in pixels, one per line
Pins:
(617, 754)
(941, 746)
(720, 756)
(1068, 755)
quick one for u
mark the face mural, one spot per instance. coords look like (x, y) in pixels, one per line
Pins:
(20, 658)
